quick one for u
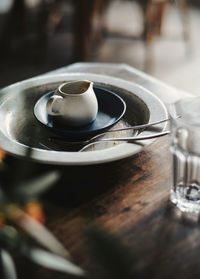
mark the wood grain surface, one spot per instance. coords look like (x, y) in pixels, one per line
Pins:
(129, 200)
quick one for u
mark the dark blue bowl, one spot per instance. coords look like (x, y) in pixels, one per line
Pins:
(111, 108)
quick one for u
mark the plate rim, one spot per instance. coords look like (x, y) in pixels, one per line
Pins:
(101, 129)
(115, 153)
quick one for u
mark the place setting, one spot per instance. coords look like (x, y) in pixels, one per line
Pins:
(80, 117)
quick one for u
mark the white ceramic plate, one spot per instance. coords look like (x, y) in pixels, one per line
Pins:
(20, 130)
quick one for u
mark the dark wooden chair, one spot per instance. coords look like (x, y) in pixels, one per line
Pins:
(153, 14)
(154, 11)
(87, 23)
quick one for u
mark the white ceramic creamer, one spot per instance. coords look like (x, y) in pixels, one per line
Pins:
(74, 103)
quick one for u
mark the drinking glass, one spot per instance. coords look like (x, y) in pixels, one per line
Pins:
(185, 150)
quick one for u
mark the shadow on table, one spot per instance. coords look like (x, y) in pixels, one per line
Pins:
(82, 184)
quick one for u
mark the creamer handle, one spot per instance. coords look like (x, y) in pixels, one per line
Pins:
(53, 105)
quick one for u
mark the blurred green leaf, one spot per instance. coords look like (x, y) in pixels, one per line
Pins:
(33, 229)
(35, 186)
(56, 262)
(7, 265)
(14, 241)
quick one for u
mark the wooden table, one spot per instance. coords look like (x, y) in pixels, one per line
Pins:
(123, 204)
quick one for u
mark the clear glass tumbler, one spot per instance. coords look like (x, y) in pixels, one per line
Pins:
(185, 149)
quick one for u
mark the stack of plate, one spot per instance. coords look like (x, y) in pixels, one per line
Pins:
(25, 124)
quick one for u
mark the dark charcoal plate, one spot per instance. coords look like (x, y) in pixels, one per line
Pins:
(111, 108)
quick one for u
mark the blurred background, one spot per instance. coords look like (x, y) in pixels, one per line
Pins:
(160, 37)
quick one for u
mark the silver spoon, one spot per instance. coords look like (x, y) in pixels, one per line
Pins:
(129, 139)
(138, 127)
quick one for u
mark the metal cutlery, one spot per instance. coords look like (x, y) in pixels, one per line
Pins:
(98, 139)
(129, 139)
